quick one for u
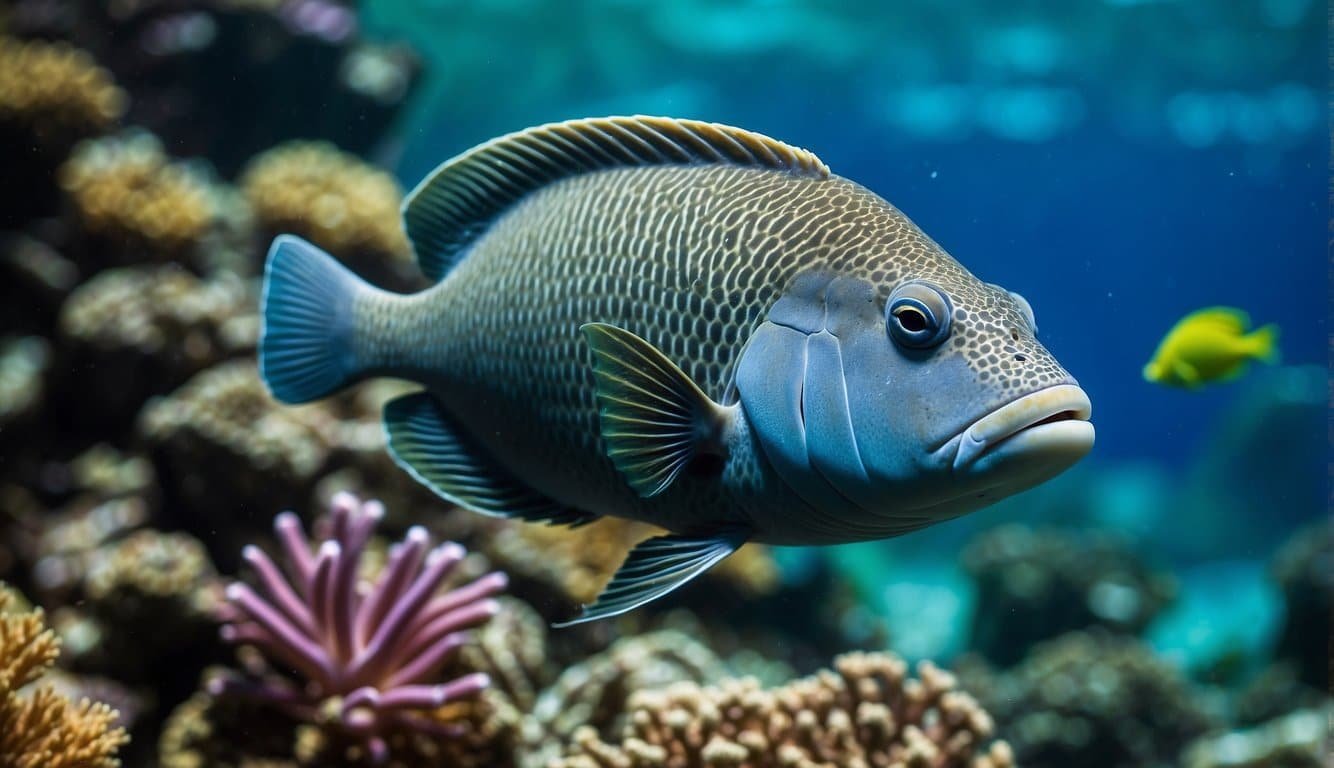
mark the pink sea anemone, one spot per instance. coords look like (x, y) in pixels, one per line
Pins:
(367, 652)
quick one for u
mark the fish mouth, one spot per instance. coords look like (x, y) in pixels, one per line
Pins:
(1049, 427)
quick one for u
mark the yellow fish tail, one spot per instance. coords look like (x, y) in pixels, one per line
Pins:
(1262, 343)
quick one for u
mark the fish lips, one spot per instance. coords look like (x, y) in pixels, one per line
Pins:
(1042, 433)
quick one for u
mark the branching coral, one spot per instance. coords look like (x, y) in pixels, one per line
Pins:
(43, 729)
(867, 713)
(138, 203)
(55, 92)
(594, 693)
(366, 652)
(332, 198)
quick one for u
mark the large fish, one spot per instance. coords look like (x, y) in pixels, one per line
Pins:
(687, 324)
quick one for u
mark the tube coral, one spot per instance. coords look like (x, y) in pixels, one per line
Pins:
(44, 729)
(366, 651)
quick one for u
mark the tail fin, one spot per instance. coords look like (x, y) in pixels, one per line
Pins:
(1264, 343)
(305, 349)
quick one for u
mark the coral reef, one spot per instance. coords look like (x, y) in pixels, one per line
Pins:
(1304, 568)
(226, 79)
(42, 728)
(1092, 699)
(34, 281)
(145, 331)
(159, 580)
(366, 655)
(336, 201)
(132, 203)
(1036, 584)
(1300, 739)
(225, 450)
(55, 92)
(52, 95)
(23, 365)
(594, 693)
(866, 712)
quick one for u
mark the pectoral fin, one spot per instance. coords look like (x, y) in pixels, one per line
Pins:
(654, 419)
(656, 567)
(439, 454)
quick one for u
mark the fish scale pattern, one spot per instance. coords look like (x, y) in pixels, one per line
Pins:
(688, 257)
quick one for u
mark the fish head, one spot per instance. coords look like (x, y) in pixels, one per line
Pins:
(900, 405)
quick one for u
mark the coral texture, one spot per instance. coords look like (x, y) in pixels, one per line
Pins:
(1036, 584)
(333, 199)
(221, 443)
(136, 201)
(867, 713)
(1300, 739)
(56, 92)
(366, 653)
(146, 330)
(1093, 699)
(43, 729)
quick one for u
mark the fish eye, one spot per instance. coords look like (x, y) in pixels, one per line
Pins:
(918, 315)
(1027, 310)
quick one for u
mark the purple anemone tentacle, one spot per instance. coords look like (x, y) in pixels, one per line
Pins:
(311, 658)
(372, 647)
(382, 649)
(428, 659)
(277, 589)
(466, 617)
(479, 589)
(297, 548)
(397, 575)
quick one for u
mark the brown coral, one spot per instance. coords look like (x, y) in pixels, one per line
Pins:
(43, 729)
(55, 92)
(145, 330)
(335, 200)
(594, 693)
(1093, 699)
(867, 713)
(136, 203)
(222, 444)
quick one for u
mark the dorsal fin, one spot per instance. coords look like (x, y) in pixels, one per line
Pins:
(458, 200)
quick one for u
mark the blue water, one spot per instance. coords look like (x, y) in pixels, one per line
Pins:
(1176, 165)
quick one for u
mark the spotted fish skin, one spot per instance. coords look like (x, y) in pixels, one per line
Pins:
(689, 258)
(685, 324)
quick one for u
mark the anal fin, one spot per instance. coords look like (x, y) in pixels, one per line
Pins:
(656, 567)
(426, 443)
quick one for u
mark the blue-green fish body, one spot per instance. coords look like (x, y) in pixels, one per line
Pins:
(686, 324)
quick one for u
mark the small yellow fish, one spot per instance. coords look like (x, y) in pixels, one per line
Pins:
(1208, 345)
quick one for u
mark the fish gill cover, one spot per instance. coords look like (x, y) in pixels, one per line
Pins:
(1120, 164)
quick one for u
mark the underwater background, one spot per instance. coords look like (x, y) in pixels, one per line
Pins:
(1120, 163)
